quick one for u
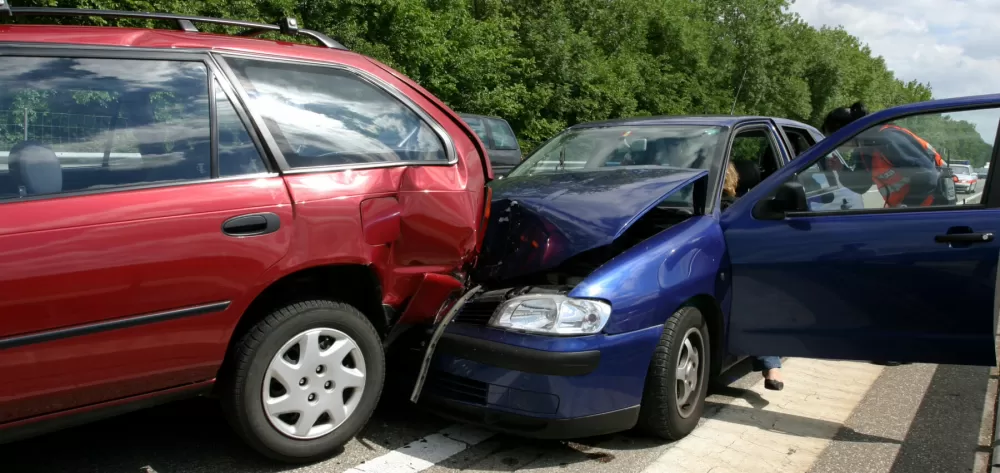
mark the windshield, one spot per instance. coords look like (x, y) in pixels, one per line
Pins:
(678, 146)
(959, 169)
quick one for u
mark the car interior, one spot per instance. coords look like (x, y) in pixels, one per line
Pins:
(754, 157)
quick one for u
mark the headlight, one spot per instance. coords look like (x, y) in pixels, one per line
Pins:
(552, 314)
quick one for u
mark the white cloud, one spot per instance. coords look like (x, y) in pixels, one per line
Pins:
(949, 44)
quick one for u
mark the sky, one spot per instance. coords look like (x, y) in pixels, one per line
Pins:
(950, 44)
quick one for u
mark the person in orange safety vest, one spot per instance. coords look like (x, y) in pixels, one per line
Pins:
(904, 167)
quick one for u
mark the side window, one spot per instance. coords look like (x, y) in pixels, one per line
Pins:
(906, 162)
(323, 116)
(77, 124)
(799, 139)
(479, 127)
(237, 153)
(754, 157)
(503, 136)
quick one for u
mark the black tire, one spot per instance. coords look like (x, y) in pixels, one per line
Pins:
(241, 388)
(659, 414)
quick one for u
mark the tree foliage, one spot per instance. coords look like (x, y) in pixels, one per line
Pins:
(547, 64)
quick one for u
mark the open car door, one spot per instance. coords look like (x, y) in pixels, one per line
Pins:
(907, 283)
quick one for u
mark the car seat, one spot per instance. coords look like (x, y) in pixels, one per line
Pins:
(750, 176)
(35, 169)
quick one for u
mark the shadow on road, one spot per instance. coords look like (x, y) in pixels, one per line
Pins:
(188, 436)
(944, 434)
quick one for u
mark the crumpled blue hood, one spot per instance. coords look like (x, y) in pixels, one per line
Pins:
(539, 221)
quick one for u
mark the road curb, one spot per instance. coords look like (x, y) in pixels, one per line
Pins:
(995, 455)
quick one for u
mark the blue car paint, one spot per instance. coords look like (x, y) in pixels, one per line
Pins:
(788, 294)
(648, 282)
(868, 286)
(616, 384)
(565, 214)
(893, 309)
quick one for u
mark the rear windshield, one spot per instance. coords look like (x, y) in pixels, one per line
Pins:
(503, 136)
(959, 169)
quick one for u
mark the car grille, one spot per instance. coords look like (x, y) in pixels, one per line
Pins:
(479, 310)
(457, 387)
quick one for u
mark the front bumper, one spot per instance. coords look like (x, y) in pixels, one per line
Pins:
(540, 386)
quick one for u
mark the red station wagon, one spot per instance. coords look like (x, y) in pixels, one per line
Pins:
(188, 213)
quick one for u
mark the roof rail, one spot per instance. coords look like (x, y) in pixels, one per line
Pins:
(286, 26)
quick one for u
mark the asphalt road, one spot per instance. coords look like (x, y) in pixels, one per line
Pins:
(911, 418)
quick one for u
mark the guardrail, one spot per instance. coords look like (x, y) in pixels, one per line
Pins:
(72, 159)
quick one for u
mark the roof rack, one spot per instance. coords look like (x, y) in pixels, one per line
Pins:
(286, 26)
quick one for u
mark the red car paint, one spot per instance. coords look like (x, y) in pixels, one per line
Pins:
(76, 260)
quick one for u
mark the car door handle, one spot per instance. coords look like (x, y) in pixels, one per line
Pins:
(251, 225)
(965, 238)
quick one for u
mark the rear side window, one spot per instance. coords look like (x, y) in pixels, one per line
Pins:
(324, 116)
(77, 124)
(238, 154)
(799, 139)
(503, 136)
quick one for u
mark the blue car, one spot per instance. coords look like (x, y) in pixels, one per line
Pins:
(613, 284)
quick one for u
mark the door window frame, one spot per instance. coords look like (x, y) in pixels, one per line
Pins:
(782, 153)
(991, 192)
(213, 72)
(364, 76)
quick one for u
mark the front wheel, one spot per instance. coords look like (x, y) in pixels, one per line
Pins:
(677, 381)
(304, 380)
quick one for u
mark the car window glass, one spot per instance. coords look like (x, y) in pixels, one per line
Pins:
(905, 163)
(237, 153)
(799, 139)
(754, 157)
(323, 116)
(503, 136)
(78, 124)
(479, 127)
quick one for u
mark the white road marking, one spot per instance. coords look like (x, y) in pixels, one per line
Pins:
(424, 453)
(973, 196)
(785, 436)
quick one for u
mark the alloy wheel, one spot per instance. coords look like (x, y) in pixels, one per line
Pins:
(688, 375)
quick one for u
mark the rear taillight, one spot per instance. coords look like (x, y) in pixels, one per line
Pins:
(954, 178)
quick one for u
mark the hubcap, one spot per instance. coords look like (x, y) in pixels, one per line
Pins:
(688, 374)
(314, 383)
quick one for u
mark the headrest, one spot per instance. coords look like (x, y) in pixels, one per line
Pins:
(749, 175)
(35, 169)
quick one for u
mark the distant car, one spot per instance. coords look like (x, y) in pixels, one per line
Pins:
(966, 180)
(500, 141)
(983, 172)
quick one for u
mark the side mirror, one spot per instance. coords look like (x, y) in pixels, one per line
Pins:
(790, 197)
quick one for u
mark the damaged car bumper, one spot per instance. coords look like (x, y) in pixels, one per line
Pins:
(536, 385)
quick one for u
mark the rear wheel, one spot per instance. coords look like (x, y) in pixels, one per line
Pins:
(677, 381)
(304, 380)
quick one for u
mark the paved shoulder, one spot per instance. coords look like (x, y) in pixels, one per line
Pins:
(774, 432)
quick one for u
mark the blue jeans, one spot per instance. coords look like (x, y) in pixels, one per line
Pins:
(764, 363)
